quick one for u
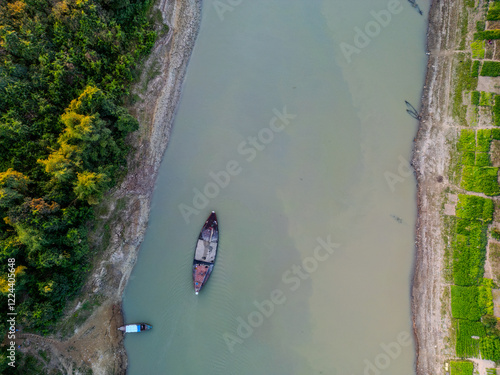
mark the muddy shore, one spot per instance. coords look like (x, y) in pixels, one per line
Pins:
(430, 307)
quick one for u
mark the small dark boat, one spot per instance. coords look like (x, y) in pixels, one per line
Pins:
(205, 252)
(137, 327)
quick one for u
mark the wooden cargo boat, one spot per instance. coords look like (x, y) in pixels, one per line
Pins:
(205, 252)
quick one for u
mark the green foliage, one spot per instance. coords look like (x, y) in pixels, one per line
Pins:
(475, 97)
(496, 114)
(467, 140)
(465, 302)
(480, 180)
(464, 81)
(487, 99)
(475, 208)
(491, 69)
(483, 140)
(468, 338)
(65, 68)
(26, 364)
(485, 300)
(483, 159)
(461, 368)
(469, 252)
(468, 158)
(493, 11)
(490, 348)
(495, 233)
(478, 47)
(488, 34)
(476, 66)
(480, 26)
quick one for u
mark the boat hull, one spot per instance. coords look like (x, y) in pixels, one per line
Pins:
(135, 328)
(205, 252)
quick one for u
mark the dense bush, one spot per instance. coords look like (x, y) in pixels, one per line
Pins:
(493, 11)
(495, 233)
(469, 252)
(461, 368)
(465, 302)
(467, 346)
(65, 68)
(476, 66)
(488, 34)
(480, 180)
(474, 97)
(474, 208)
(486, 99)
(463, 81)
(478, 49)
(496, 115)
(483, 140)
(490, 348)
(467, 140)
(491, 69)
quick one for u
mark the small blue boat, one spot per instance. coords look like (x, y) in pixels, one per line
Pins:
(132, 328)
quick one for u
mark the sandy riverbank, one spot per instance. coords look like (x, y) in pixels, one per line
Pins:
(430, 307)
(123, 217)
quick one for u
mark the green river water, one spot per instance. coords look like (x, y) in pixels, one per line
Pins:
(294, 129)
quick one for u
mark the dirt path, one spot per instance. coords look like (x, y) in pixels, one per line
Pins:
(431, 316)
(95, 343)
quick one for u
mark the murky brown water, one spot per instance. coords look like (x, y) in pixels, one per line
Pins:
(293, 127)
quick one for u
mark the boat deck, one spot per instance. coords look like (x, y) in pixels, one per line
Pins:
(200, 274)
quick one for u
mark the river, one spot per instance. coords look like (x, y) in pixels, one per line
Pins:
(293, 127)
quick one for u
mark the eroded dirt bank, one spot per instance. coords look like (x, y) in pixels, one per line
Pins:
(431, 159)
(122, 219)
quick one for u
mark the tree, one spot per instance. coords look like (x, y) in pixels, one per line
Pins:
(12, 187)
(90, 186)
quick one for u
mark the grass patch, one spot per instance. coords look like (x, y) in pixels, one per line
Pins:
(461, 368)
(495, 233)
(490, 69)
(79, 316)
(493, 11)
(483, 140)
(475, 208)
(475, 97)
(496, 111)
(478, 49)
(476, 66)
(463, 81)
(487, 99)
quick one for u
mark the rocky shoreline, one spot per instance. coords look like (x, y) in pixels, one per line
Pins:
(430, 309)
